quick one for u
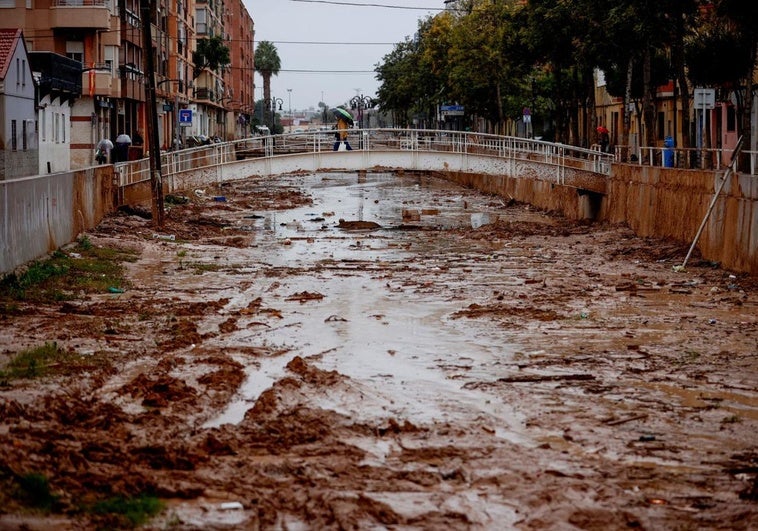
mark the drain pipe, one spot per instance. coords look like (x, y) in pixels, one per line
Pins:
(727, 174)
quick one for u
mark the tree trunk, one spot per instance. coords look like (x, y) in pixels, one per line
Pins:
(682, 85)
(648, 103)
(267, 115)
(626, 114)
(747, 126)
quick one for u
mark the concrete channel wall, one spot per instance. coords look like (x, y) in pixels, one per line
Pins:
(42, 213)
(654, 202)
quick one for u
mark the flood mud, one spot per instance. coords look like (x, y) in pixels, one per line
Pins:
(374, 351)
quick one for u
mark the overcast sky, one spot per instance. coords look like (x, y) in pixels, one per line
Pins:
(285, 22)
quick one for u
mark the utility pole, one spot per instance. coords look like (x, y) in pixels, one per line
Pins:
(156, 177)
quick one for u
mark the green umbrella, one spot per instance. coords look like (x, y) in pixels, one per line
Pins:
(339, 112)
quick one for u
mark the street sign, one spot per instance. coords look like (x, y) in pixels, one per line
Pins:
(185, 117)
(705, 98)
(451, 110)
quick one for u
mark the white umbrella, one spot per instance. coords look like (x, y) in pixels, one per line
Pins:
(105, 144)
(123, 139)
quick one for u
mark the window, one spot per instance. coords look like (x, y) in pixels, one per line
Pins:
(75, 50)
(201, 25)
(109, 54)
(23, 72)
(14, 140)
(23, 135)
(8, 3)
(43, 125)
(18, 71)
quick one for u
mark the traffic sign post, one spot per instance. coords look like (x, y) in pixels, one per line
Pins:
(185, 117)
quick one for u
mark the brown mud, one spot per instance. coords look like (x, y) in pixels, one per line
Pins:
(531, 373)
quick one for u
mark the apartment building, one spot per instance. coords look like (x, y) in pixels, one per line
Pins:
(105, 38)
(239, 77)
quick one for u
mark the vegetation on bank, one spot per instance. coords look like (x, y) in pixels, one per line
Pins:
(66, 275)
(32, 492)
(496, 57)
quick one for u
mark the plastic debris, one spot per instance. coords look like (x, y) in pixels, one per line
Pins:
(231, 506)
(219, 198)
(169, 237)
(114, 289)
(477, 220)
(679, 269)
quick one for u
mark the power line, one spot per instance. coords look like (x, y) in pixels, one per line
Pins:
(355, 4)
(329, 71)
(333, 43)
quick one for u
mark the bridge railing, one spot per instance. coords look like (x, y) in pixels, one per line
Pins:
(212, 155)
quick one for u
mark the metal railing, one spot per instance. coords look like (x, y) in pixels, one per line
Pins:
(682, 158)
(211, 155)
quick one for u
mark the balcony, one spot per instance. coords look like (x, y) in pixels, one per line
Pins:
(205, 95)
(92, 14)
(59, 75)
(97, 82)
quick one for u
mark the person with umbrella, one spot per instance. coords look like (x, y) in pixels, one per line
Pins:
(604, 139)
(103, 151)
(123, 141)
(344, 121)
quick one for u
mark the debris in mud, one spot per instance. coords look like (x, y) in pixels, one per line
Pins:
(305, 296)
(358, 225)
(456, 384)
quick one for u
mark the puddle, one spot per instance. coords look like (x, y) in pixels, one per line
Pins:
(375, 324)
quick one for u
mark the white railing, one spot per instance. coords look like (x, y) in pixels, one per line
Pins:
(367, 140)
(689, 158)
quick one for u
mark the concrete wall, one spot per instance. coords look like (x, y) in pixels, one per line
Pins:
(653, 202)
(40, 214)
(671, 203)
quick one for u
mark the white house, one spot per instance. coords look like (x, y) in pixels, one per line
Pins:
(18, 131)
(59, 84)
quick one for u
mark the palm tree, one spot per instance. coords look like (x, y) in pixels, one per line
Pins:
(268, 64)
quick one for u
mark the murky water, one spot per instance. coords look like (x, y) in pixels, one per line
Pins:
(376, 323)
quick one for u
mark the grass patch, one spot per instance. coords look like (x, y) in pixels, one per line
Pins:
(199, 268)
(34, 491)
(47, 360)
(130, 512)
(82, 269)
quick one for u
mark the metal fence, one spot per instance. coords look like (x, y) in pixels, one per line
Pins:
(682, 158)
(366, 140)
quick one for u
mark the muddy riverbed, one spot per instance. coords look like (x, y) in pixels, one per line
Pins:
(343, 351)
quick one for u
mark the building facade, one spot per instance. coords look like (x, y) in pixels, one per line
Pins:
(106, 39)
(18, 135)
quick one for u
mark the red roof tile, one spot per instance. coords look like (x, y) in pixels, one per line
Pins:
(8, 40)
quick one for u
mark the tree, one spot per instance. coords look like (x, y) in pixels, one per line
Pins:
(742, 16)
(268, 64)
(483, 62)
(397, 92)
(210, 53)
(558, 35)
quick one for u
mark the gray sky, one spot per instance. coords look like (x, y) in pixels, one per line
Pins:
(289, 21)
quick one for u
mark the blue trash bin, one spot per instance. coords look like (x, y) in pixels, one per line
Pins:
(668, 152)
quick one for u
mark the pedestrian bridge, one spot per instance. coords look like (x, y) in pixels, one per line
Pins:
(432, 151)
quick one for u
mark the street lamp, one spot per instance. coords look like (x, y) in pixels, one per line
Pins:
(271, 103)
(290, 100)
(361, 102)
